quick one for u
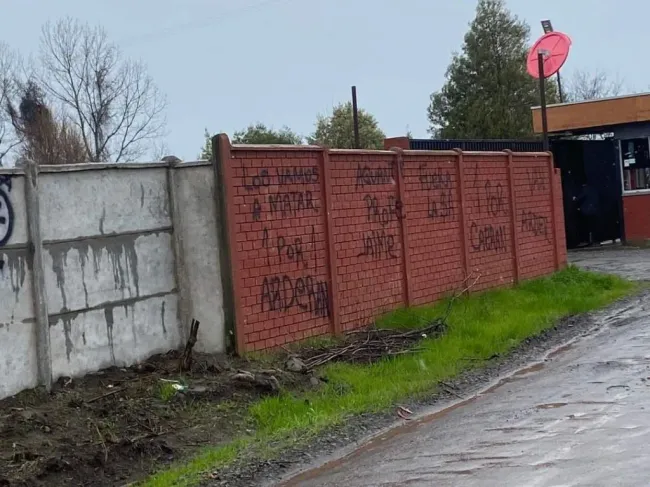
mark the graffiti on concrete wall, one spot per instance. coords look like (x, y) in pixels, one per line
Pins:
(6, 210)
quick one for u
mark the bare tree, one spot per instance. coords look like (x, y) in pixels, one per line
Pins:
(584, 86)
(158, 151)
(112, 101)
(9, 65)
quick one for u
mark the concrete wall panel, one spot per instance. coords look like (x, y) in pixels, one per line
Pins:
(200, 243)
(103, 202)
(115, 334)
(86, 273)
(110, 268)
(18, 369)
(15, 286)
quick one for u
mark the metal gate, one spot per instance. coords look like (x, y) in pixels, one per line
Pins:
(591, 185)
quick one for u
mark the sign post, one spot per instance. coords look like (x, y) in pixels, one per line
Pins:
(545, 58)
(542, 97)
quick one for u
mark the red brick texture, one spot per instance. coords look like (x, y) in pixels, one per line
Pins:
(323, 241)
(636, 217)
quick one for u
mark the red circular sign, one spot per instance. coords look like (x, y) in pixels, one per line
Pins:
(555, 49)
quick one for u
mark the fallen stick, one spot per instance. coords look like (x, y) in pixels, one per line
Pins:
(186, 359)
(110, 393)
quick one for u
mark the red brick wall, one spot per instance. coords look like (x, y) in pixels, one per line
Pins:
(636, 217)
(433, 223)
(366, 214)
(324, 241)
(281, 246)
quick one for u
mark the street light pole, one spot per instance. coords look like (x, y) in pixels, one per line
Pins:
(548, 27)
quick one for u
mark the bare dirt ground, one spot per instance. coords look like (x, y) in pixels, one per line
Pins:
(115, 426)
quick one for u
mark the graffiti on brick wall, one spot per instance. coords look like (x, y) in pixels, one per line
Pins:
(488, 238)
(536, 179)
(379, 243)
(438, 186)
(289, 250)
(283, 203)
(390, 211)
(374, 175)
(279, 194)
(282, 293)
(534, 224)
(492, 203)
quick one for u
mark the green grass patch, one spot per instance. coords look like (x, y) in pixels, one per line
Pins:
(479, 327)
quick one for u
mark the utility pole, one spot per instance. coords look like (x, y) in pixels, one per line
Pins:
(355, 118)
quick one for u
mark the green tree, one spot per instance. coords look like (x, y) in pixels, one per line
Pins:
(337, 129)
(206, 150)
(488, 92)
(261, 134)
(255, 134)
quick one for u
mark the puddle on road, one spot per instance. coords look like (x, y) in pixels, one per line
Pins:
(511, 429)
(596, 403)
(553, 405)
(529, 370)
(560, 350)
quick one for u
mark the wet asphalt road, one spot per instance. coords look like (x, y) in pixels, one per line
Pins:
(579, 418)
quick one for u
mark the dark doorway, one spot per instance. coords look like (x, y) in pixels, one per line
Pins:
(591, 185)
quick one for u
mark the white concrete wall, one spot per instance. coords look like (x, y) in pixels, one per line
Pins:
(200, 247)
(111, 274)
(18, 362)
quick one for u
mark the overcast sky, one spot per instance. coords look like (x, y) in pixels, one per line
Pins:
(226, 63)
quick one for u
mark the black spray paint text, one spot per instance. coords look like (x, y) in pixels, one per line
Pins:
(378, 244)
(289, 250)
(533, 223)
(290, 203)
(440, 207)
(393, 210)
(488, 238)
(6, 212)
(284, 176)
(536, 180)
(297, 175)
(282, 293)
(373, 176)
(432, 179)
(493, 201)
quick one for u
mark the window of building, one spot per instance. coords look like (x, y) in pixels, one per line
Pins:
(635, 158)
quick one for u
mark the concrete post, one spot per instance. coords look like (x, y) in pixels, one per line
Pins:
(35, 251)
(184, 296)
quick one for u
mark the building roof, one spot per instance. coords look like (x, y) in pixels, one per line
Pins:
(598, 115)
